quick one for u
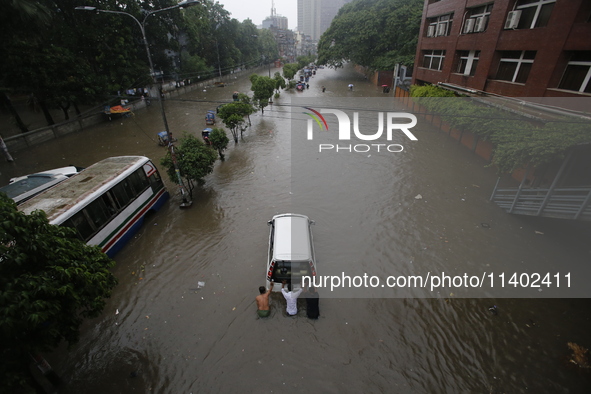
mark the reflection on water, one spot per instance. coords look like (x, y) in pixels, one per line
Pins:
(173, 336)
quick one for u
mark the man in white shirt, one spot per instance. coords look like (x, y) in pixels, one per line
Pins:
(291, 297)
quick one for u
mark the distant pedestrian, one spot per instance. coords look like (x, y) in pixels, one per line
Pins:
(323, 89)
(350, 86)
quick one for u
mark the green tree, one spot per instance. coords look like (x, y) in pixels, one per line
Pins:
(248, 108)
(247, 41)
(263, 88)
(50, 281)
(219, 141)
(233, 116)
(290, 70)
(279, 82)
(194, 160)
(304, 61)
(372, 33)
(268, 45)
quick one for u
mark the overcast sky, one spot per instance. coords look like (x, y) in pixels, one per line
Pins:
(257, 10)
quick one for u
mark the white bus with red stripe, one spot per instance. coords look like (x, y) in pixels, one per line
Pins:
(106, 203)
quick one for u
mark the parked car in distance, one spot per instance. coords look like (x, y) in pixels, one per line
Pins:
(291, 250)
(22, 188)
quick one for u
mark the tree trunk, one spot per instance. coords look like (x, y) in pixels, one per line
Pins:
(48, 116)
(65, 109)
(8, 104)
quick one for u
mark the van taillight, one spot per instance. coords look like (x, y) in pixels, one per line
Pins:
(270, 273)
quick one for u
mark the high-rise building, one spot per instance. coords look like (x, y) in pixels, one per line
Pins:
(315, 16)
(275, 20)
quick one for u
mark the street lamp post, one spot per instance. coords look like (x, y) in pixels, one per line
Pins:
(187, 3)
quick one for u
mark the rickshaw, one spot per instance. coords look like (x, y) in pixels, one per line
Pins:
(205, 134)
(300, 86)
(210, 117)
(163, 138)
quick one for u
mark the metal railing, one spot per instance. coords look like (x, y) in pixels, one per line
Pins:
(564, 203)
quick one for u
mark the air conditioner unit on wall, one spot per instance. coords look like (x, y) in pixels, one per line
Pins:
(512, 19)
(442, 29)
(480, 24)
(469, 25)
(431, 31)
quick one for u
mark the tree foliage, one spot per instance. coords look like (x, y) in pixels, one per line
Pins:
(290, 70)
(263, 88)
(194, 160)
(59, 56)
(279, 82)
(219, 141)
(50, 281)
(304, 61)
(233, 115)
(372, 33)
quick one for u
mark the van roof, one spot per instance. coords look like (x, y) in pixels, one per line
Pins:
(291, 238)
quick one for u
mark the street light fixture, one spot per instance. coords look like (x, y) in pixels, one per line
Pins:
(183, 4)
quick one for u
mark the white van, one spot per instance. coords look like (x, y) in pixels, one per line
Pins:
(291, 250)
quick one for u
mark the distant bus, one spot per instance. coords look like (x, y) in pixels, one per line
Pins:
(106, 203)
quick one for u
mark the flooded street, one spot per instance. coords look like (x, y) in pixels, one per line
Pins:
(171, 336)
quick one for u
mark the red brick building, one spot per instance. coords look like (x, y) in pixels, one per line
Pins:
(517, 48)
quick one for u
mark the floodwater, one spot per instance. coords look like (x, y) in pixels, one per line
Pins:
(162, 333)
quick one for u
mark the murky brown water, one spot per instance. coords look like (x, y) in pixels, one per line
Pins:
(180, 339)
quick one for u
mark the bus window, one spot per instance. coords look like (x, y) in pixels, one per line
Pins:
(136, 183)
(109, 202)
(81, 223)
(97, 212)
(144, 179)
(122, 197)
(156, 182)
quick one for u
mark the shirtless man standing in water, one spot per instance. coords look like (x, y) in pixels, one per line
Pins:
(263, 301)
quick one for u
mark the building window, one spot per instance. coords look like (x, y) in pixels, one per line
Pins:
(515, 66)
(467, 62)
(439, 26)
(578, 73)
(477, 19)
(534, 13)
(433, 59)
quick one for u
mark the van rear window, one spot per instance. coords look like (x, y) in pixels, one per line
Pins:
(290, 270)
